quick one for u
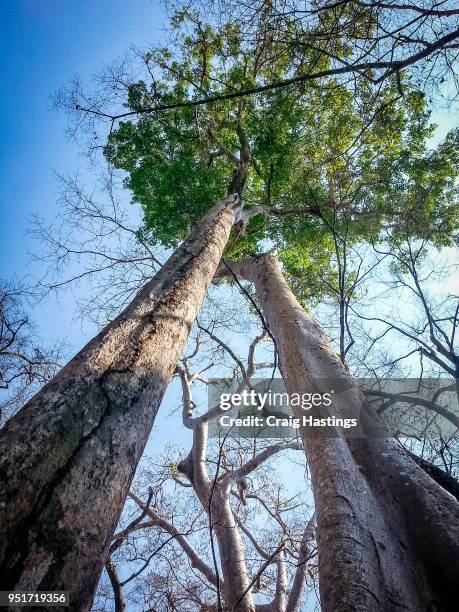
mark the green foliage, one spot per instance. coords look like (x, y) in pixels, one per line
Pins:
(345, 159)
(423, 193)
(168, 173)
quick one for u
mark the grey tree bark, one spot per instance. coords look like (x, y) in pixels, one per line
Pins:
(68, 457)
(388, 535)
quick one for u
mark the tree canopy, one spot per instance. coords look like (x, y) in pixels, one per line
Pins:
(322, 156)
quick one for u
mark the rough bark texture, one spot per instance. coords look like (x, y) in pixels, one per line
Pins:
(68, 457)
(388, 535)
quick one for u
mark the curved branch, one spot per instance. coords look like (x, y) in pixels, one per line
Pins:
(195, 559)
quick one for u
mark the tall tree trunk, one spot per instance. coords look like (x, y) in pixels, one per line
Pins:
(388, 535)
(68, 457)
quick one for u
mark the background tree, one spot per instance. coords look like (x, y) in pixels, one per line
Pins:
(95, 246)
(26, 362)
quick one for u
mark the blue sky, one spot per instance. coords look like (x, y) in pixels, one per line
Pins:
(42, 44)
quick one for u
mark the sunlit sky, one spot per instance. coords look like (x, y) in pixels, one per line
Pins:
(43, 44)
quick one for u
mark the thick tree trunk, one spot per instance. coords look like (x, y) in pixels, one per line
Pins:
(388, 535)
(68, 457)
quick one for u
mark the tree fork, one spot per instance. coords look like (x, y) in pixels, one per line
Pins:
(388, 535)
(68, 457)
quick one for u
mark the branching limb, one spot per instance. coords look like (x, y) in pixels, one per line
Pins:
(195, 559)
